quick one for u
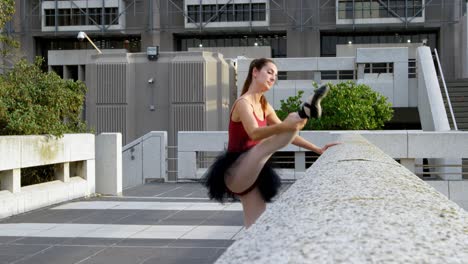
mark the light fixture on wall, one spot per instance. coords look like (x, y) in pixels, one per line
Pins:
(409, 41)
(256, 44)
(82, 35)
(350, 42)
(200, 45)
(424, 42)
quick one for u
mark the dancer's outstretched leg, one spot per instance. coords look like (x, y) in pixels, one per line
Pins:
(244, 173)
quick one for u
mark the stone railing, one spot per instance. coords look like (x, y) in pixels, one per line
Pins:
(73, 156)
(356, 205)
(404, 145)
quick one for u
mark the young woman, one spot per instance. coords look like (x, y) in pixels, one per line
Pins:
(255, 133)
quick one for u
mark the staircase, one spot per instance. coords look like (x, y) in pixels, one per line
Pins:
(458, 92)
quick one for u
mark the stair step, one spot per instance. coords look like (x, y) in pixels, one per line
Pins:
(456, 84)
(458, 115)
(457, 104)
(457, 94)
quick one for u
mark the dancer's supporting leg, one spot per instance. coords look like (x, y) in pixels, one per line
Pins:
(246, 169)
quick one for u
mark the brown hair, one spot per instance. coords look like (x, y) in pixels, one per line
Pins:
(258, 64)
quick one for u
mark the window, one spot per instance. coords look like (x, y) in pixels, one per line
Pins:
(49, 17)
(94, 16)
(379, 67)
(110, 16)
(193, 14)
(379, 8)
(258, 12)
(78, 17)
(227, 13)
(412, 68)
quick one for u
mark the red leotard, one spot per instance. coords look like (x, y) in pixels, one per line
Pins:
(239, 140)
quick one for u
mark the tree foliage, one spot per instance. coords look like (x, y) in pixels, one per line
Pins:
(7, 9)
(34, 102)
(8, 45)
(348, 106)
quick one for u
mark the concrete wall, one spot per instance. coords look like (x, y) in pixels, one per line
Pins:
(127, 93)
(158, 21)
(74, 159)
(395, 86)
(145, 160)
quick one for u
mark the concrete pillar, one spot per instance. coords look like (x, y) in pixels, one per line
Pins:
(299, 161)
(11, 180)
(109, 163)
(86, 170)
(62, 172)
(409, 164)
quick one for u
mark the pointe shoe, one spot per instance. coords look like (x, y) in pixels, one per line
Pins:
(312, 108)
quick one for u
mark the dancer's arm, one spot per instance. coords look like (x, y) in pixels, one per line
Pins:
(244, 111)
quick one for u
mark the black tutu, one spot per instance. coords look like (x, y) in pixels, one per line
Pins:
(268, 181)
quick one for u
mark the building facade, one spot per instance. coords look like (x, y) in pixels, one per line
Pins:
(291, 28)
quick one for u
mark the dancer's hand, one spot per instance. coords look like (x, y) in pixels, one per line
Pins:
(294, 122)
(329, 145)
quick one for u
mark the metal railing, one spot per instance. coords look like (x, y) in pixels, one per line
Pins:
(446, 90)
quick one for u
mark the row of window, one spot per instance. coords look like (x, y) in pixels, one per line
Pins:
(277, 42)
(386, 67)
(81, 17)
(330, 40)
(131, 44)
(379, 8)
(226, 13)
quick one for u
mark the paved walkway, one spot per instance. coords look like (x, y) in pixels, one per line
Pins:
(154, 223)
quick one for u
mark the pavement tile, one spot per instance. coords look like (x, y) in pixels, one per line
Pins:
(8, 239)
(91, 241)
(136, 242)
(62, 255)
(40, 240)
(16, 252)
(208, 243)
(121, 255)
(149, 217)
(212, 232)
(149, 227)
(187, 218)
(233, 218)
(103, 216)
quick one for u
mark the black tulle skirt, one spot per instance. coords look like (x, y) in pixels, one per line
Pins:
(268, 181)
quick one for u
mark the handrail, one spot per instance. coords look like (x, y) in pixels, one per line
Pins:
(446, 91)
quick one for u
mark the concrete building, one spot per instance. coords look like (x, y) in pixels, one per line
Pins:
(291, 28)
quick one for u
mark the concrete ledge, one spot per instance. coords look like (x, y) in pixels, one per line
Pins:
(28, 151)
(72, 155)
(40, 195)
(356, 205)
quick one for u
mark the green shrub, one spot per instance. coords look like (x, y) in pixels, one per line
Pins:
(348, 106)
(34, 102)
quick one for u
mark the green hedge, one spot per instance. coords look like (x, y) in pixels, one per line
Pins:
(348, 106)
